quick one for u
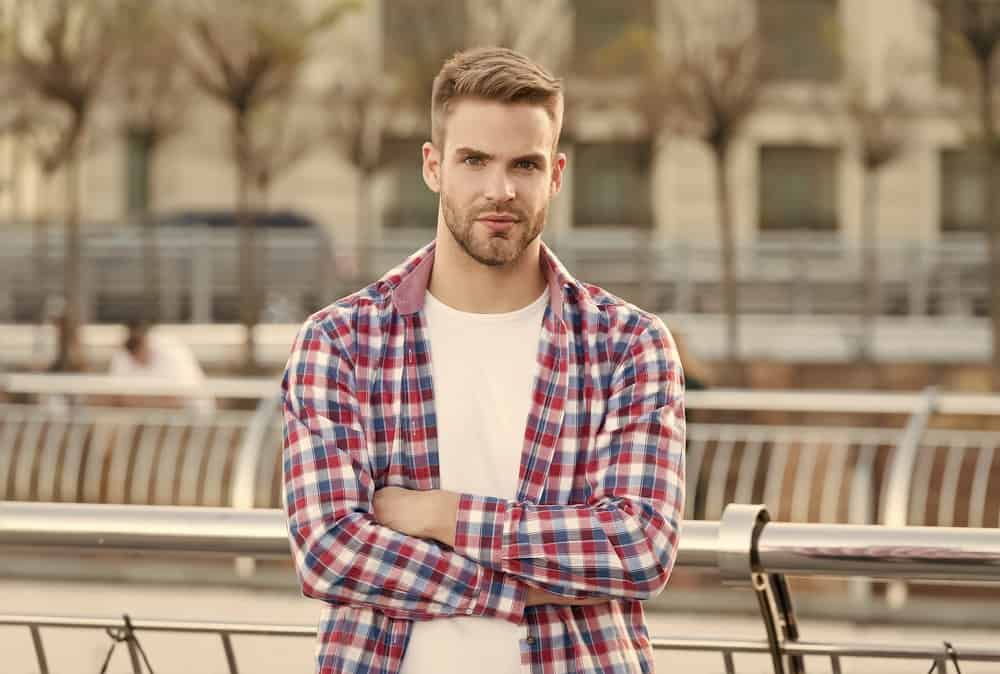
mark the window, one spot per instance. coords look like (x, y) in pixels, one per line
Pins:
(600, 30)
(962, 190)
(611, 184)
(801, 39)
(798, 189)
(138, 155)
(411, 203)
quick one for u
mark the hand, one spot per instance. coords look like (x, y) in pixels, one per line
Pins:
(536, 597)
(424, 514)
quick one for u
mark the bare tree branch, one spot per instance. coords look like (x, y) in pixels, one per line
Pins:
(249, 54)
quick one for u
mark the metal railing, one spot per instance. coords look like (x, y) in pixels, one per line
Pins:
(778, 338)
(744, 547)
(892, 473)
(301, 273)
(802, 470)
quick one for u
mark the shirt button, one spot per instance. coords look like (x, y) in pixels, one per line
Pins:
(530, 641)
(469, 611)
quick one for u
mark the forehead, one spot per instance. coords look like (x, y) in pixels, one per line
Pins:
(499, 129)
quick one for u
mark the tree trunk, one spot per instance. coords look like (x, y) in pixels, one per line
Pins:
(991, 210)
(869, 282)
(40, 245)
(150, 248)
(261, 203)
(16, 178)
(365, 248)
(248, 239)
(70, 351)
(730, 296)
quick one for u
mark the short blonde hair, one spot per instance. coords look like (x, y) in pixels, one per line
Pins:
(494, 74)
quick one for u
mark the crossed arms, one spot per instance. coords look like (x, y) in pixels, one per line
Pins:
(423, 555)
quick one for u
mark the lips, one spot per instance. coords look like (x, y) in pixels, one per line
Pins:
(498, 222)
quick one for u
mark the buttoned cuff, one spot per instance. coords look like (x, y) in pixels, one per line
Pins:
(479, 530)
(500, 596)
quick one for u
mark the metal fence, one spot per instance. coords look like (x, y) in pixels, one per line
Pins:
(302, 271)
(748, 551)
(775, 338)
(803, 454)
(771, 450)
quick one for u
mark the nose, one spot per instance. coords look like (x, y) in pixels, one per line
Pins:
(499, 187)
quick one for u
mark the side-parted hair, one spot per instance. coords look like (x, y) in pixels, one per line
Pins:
(493, 74)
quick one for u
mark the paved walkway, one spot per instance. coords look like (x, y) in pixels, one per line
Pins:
(83, 651)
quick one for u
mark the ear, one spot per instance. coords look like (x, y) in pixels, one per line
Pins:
(432, 167)
(558, 166)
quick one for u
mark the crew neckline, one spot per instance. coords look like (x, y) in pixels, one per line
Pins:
(437, 305)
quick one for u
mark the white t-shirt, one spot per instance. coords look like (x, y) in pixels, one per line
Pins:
(484, 366)
(171, 361)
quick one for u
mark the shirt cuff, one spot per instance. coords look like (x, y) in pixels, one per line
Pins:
(479, 530)
(501, 596)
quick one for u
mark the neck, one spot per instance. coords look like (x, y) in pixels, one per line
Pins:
(467, 285)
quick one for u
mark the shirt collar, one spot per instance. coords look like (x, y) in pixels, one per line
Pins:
(415, 275)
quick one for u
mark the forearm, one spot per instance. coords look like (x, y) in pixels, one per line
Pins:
(617, 548)
(359, 562)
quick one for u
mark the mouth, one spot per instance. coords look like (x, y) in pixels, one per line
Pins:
(497, 222)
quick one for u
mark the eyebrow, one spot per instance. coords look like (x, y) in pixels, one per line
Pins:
(536, 157)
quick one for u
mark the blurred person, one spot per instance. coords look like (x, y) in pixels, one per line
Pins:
(144, 354)
(697, 375)
(483, 459)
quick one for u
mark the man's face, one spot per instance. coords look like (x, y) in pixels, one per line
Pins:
(496, 176)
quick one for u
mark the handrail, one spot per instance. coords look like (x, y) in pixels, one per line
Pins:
(750, 400)
(745, 546)
(897, 486)
(251, 388)
(913, 553)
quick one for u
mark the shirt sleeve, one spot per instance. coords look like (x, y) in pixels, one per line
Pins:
(622, 542)
(342, 555)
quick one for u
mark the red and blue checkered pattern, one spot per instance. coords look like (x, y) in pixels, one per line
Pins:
(600, 496)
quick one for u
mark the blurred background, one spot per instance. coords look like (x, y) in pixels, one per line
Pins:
(799, 182)
(808, 192)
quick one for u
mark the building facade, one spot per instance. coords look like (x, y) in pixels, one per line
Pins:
(795, 169)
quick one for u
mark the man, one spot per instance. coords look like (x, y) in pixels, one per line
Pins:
(483, 456)
(157, 356)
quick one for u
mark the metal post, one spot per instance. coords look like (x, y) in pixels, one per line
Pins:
(88, 289)
(36, 639)
(918, 282)
(201, 283)
(169, 292)
(247, 461)
(133, 654)
(739, 531)
(6, 291)
(801, 292)
(227, 645)
(899, 478)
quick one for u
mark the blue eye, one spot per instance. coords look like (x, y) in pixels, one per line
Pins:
(473, 161)
(527, 164)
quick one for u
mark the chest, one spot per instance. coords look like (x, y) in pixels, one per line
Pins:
(567, 386)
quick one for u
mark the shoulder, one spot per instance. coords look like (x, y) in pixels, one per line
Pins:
(624, 322)
(342, 322)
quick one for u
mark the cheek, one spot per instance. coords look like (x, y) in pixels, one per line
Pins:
(536, 193)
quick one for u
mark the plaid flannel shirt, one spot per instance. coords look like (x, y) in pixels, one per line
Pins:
(601, 483)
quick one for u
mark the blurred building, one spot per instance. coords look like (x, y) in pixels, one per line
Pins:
(795, 169)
